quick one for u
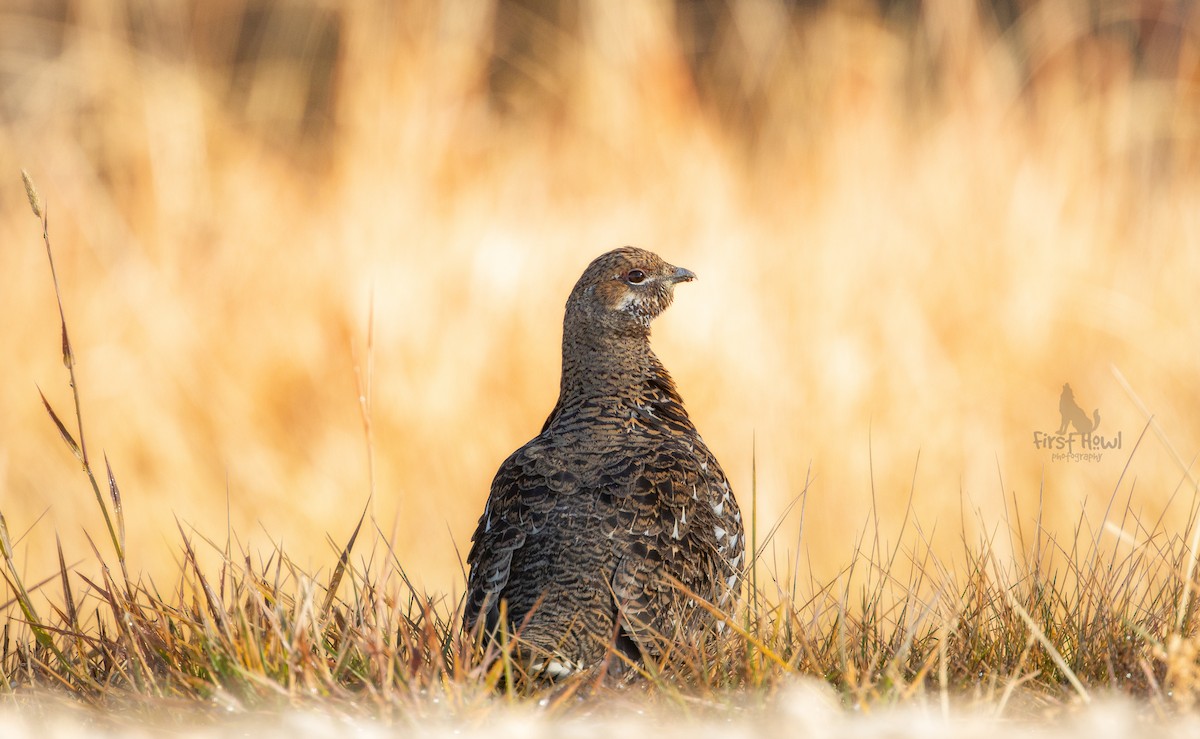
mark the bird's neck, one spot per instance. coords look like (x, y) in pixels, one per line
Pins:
(617, 370)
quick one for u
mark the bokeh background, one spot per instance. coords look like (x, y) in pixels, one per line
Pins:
(912, 223)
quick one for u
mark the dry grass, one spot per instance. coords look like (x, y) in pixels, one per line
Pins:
(910, 232)
(897, 624)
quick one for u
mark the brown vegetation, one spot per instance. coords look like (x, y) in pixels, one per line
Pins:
(911, 228)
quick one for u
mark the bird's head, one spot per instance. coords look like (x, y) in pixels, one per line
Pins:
(624, 290)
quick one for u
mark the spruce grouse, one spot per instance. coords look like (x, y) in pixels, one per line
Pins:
(591, 527)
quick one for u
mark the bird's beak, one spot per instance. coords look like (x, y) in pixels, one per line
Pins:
(682, 275)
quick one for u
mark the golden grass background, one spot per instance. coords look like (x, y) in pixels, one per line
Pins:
(912, 224)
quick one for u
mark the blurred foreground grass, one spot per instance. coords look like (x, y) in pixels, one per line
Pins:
(913, 223)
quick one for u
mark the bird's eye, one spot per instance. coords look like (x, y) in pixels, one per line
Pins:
(635, 277)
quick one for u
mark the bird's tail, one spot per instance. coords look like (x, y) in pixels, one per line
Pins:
(540, 652)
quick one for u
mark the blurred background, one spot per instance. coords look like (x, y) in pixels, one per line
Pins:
(912, 222)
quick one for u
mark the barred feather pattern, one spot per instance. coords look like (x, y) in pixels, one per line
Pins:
(592, 527)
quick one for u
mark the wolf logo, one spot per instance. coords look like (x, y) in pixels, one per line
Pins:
(1072, 414)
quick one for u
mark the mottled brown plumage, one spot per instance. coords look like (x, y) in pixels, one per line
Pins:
(588, 525)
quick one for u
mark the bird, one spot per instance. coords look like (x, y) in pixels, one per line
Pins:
(599, 533)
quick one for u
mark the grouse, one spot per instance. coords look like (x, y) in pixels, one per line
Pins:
(599, 533)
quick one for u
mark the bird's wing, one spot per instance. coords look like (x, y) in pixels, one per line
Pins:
(680, 518)
(517, 507)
